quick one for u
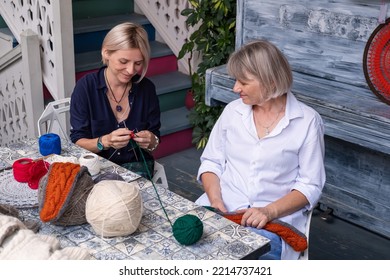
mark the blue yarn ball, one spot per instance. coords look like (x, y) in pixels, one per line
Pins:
(49, 143)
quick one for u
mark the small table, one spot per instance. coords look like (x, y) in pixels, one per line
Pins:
(153, 240)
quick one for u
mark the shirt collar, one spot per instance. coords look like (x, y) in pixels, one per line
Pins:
(293, 110)
(101, 79)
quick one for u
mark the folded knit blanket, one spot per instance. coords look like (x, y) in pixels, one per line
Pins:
(10, 210)
(19, 243)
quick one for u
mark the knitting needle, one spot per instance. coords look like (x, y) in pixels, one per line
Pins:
(35, 160)
(133, 148)
(5, 168)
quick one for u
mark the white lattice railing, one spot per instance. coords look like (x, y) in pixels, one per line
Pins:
(51, 21)
(166, 18)
(20, 90)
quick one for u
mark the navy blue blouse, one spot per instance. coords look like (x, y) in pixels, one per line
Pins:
(91, 115)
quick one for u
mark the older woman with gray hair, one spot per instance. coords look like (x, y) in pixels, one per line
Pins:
(265, 155)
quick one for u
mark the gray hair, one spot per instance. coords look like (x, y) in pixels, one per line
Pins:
(266, 63)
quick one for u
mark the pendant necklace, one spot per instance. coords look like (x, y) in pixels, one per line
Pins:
(118, 106)
(122, 114)
(267, 131)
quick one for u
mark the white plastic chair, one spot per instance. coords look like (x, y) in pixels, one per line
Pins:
(305, 254)
(55, 116)
(159, 176)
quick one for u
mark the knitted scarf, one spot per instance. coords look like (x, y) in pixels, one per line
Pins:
(291, 235)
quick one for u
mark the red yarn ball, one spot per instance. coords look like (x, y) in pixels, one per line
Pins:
(21, 169)
(28, 171)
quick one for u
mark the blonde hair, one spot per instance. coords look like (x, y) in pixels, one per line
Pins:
(266, 63)
(128, 36)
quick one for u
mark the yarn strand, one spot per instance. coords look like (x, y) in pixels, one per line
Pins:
(150, 178)
(187, 229)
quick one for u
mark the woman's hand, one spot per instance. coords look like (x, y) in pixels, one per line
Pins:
(145, 139)
(219, 205)
(256, 217)
(212, 187)
(119, 138)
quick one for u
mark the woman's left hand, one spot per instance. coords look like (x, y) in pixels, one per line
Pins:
(144, 138)
(256, 217)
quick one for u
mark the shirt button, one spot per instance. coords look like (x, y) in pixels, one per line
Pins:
(119, 153)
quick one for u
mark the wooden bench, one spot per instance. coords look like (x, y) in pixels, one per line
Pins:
(324, 43)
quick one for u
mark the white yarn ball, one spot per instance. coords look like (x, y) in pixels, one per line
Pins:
(114, 208)
(91, 161)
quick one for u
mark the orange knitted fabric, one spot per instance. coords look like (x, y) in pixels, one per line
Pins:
(293, 237)
(59, 183)
(233, 217)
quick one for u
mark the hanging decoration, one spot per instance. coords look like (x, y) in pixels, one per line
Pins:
(376, 58)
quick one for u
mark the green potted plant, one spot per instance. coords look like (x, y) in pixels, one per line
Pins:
(213, 40)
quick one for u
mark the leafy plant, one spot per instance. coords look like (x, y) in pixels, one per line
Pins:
(213, 40)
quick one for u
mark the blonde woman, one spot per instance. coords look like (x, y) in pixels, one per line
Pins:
(117, 106)
(265, 154)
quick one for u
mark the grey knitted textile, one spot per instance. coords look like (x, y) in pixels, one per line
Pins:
(72, 211)
(12, 211)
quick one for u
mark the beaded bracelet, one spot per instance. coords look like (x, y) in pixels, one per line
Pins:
(155, 145)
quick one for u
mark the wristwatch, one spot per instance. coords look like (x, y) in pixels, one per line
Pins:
(99, 144)
(157, 141)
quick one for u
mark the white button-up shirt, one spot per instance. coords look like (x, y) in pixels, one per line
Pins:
(255, 172)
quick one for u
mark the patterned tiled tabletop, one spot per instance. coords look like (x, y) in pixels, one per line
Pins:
(153, 240)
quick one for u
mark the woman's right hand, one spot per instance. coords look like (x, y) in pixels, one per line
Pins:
(219, 205)
(119, 138)
(212, 187)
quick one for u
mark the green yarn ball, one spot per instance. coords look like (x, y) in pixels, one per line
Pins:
(187, 229)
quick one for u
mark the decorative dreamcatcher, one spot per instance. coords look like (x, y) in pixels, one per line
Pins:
(376, 61)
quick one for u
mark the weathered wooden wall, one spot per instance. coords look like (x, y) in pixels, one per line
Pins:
(321, 38)
(324, 42)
